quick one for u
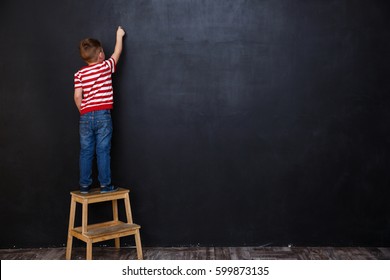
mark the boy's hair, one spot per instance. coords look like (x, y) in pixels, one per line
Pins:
(90, 49)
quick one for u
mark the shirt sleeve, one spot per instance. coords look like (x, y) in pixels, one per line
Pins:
(77, 81)
(112, 64)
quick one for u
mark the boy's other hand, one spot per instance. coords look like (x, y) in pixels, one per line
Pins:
(120, 31)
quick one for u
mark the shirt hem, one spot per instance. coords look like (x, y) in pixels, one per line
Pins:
(96, 108)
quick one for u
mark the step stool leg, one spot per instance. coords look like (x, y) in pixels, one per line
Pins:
(138, 244)
(128, 209)
(84, 218)
(89, 250)
(137, 235)
(71, 226)
(84, 229)
(115, 218)
(117, 243)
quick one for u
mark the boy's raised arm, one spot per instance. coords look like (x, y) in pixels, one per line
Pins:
(119, 44)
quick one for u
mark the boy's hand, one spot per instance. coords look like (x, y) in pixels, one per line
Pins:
(120, 31)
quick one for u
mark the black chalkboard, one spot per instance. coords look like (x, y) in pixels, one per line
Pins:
(235, 122)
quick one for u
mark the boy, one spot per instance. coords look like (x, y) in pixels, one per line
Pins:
(93, 96)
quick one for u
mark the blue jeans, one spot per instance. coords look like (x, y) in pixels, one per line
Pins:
(95, 136)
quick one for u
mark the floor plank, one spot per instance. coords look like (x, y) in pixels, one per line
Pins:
(204, 253)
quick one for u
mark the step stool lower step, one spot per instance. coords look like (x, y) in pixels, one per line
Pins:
(105, 231)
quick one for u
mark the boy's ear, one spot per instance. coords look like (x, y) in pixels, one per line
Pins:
(101, 56)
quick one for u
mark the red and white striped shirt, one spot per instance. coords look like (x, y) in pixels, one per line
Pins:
(96, 82)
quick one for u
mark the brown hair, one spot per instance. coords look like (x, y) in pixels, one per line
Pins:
(90, 49)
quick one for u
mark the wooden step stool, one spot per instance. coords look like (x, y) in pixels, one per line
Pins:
(102, 231)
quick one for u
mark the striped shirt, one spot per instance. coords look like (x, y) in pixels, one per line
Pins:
(96, 82)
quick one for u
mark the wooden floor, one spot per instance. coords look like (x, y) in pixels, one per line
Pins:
(204, 253)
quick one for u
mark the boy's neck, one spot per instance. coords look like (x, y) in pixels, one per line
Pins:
(95, 62)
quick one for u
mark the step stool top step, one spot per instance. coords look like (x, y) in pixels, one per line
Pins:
(93, 193)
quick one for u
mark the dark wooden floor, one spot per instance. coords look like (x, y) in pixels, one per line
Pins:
(205, 253)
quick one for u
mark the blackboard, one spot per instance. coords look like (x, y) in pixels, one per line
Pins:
(235, 122)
